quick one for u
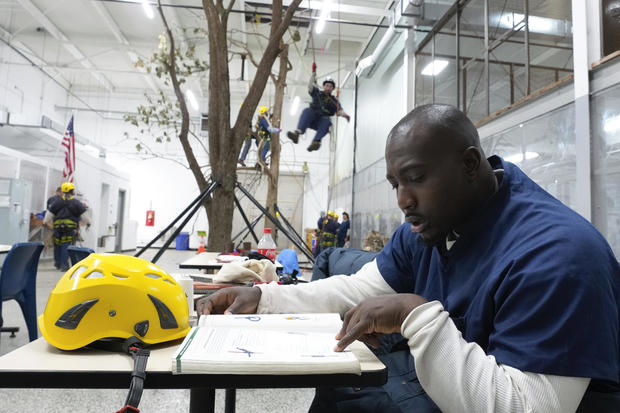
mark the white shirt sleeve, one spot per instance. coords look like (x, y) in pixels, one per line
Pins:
(459, 377)
(336, 294)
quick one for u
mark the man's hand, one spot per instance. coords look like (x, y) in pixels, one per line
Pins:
(347, 117)
(230, 300)
(381, 314)
(313, 67)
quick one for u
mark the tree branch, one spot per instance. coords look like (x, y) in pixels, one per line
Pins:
(264, 68)
(187, 149)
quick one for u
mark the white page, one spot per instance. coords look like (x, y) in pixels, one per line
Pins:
(259, 351)
(324, 322)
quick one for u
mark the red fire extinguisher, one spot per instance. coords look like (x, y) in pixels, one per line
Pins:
(150, 218)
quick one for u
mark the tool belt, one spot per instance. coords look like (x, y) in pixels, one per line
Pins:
(328, 239)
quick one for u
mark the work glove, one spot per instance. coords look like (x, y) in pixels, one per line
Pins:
(313, 67)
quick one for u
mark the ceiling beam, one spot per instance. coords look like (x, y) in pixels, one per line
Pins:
(42, 64)
(122, 40)
(65, 42)
(341, 7)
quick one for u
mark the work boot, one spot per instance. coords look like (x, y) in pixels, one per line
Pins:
(314, 146)
(241, 162)
(294, 135)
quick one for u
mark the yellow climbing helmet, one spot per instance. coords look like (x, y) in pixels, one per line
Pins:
(67, 186)
(263, 109)
(114, 296)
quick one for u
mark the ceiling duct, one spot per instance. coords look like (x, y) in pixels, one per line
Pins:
(364, 67)
(405, 14)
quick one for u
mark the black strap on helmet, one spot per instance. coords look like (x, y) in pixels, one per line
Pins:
(136, 349)
(140, 357)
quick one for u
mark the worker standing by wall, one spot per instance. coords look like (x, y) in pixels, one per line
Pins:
(67, 211)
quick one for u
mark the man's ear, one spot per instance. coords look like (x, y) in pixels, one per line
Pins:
(472, 159)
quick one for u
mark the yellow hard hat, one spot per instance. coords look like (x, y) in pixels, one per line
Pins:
(114, 296)
(330, 213)
(263, 109)
(336, 216)
(67, 186)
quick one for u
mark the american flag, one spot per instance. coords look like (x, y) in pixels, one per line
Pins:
(68, 141)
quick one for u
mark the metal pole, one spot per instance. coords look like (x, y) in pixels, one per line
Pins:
(275, 221)
(230, 397)
(247, 222)
(464, 109)
(458, 55)
(433, 68)
(198, 199)
(512, 83)
(174, 234)
(354, 151)
(201, 400)
(526, 41)
(290, 227)
(243, 231)
(486, 56)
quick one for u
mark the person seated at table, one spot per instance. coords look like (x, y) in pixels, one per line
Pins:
(508, 299)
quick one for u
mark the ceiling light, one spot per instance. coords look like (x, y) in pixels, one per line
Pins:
(320, 25)
(294, 106)
(192, 99)
(612, 124)
(148, 10)
(435, 67)
(519, 157)
(535, 24)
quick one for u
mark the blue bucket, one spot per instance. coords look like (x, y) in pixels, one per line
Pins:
(182, 241)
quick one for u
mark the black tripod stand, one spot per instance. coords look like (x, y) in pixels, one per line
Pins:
(193, 207)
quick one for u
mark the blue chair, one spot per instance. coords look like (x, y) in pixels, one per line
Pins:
(77, 254)
(18, 282)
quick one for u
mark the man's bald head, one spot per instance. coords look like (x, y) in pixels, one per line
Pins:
(441, 176)
(444, 126)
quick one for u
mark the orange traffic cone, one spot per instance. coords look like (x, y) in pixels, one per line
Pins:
(201, 247)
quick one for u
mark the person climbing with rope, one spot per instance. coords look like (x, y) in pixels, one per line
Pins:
(262, 136)
(264, 130)
(317, 116)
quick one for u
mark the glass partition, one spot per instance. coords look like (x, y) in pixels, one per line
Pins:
(507, 51)
(444, 71)
(423, 83)
(606, 164)
(544, 148)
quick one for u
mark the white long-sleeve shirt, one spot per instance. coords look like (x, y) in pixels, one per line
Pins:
(457, 375)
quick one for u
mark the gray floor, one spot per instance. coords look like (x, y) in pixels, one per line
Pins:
(53, 400)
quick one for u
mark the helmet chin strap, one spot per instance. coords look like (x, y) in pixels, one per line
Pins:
(136, 348)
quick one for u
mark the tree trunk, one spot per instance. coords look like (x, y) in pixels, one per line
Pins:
(273, 172)
(224, 141)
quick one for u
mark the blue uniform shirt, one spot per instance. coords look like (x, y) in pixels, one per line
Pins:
(529, 280)
(324, 104)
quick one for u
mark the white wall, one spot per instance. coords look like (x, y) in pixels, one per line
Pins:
(164, 184)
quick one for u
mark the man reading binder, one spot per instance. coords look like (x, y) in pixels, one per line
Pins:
(508, 299)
